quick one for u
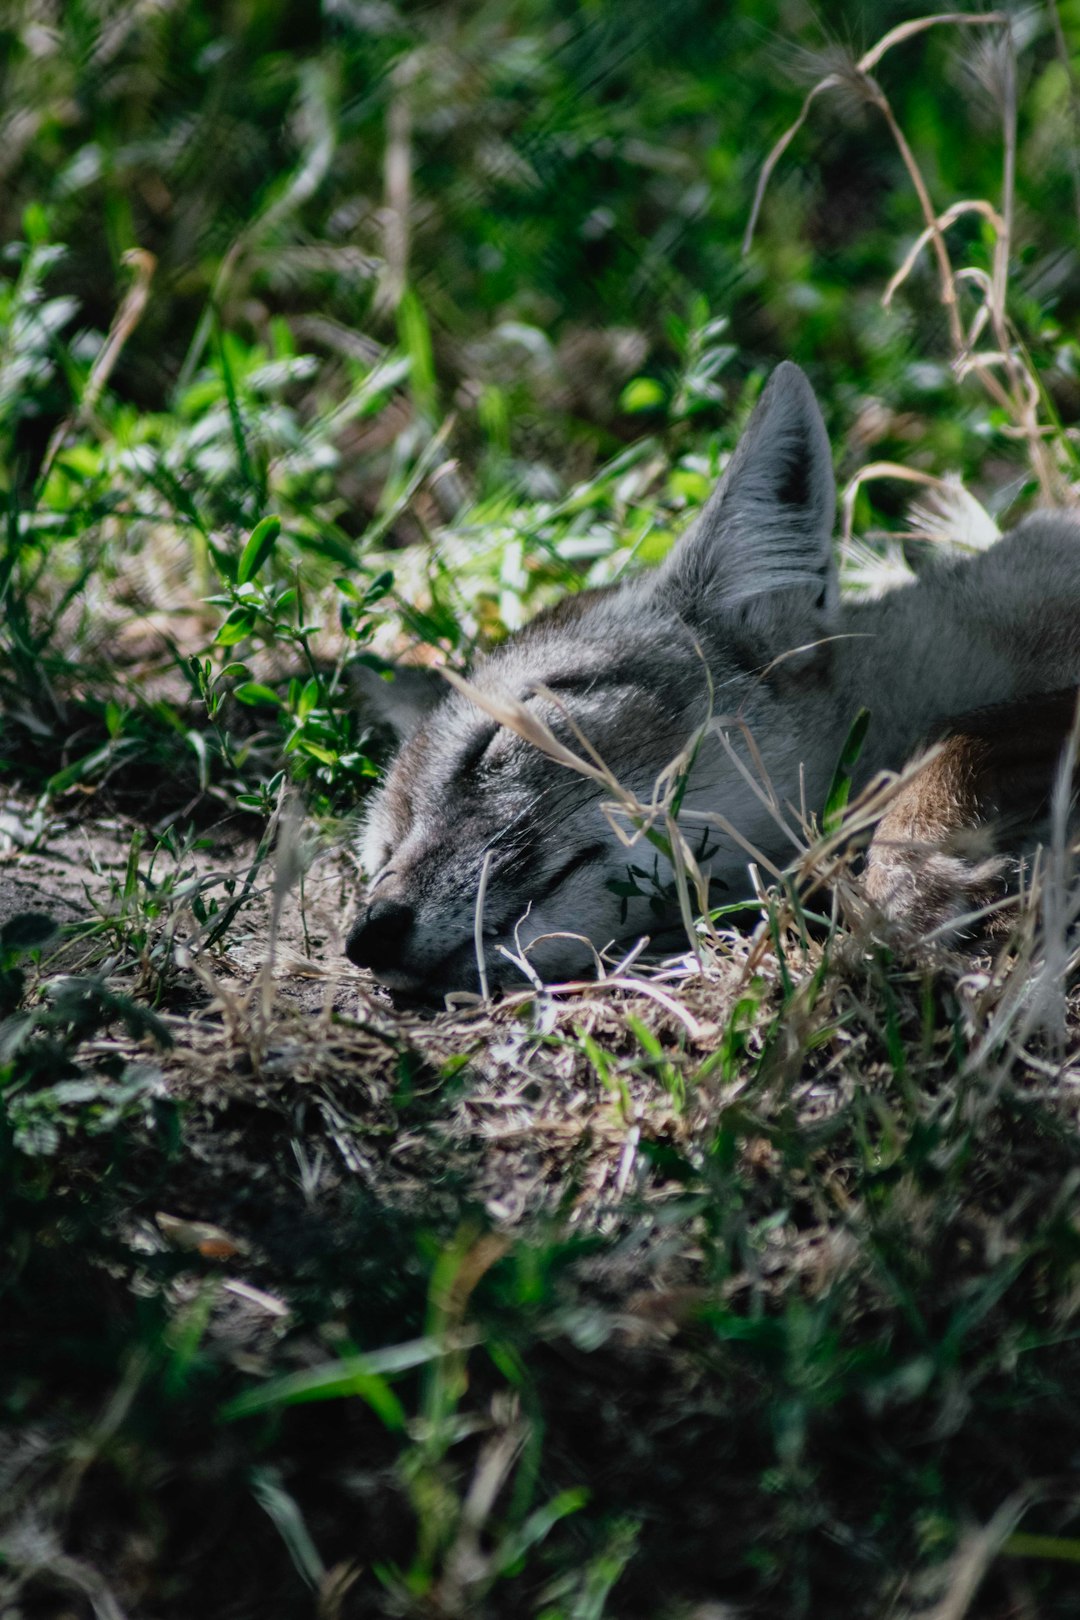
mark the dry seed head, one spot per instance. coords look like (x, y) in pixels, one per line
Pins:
(983, 65)
(949, 515)
(839, 64)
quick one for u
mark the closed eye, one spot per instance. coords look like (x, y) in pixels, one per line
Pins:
(584, 682)
(588, 681)
(477, 749)
(585, 857)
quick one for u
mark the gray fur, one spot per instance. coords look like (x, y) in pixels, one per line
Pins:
(748, 603)
(398, 696)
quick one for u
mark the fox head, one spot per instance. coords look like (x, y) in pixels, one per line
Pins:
(728, 638)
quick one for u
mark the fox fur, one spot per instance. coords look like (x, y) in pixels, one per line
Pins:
(741, 630)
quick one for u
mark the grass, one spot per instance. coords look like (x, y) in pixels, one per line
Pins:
(748, 1284)
(781, 1308)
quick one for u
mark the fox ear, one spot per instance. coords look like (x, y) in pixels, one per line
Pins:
(400, 696)
(768, 525)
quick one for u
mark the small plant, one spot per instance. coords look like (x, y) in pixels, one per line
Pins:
(46, 1092)
(322, 737)
(475, 1525)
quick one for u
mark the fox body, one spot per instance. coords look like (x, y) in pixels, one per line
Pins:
(739, 634)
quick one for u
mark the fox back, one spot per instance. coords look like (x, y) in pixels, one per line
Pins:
(736, 652)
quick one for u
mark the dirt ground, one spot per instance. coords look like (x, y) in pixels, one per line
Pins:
(73, 867)
(270, 1010)
(643, 1158)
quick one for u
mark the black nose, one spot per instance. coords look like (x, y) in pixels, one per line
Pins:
(378, 934)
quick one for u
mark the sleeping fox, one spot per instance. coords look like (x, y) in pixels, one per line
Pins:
(739, 642)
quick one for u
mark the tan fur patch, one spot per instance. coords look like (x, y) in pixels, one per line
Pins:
(935, 855)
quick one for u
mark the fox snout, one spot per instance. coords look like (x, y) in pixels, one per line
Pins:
(379, 936)
(393, 937)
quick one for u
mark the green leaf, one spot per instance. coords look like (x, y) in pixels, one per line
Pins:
(642, 394)
(648, 1041)
(239, 623)
(261, 542)
(840, 787)
(78, 772)
(325, 756)
(414, 334)
(236, 421)
(253, 692)
(35, 224)
(513, 1547)
(352, 1375)
(308, 699)
(379, 586)
(16, 1029)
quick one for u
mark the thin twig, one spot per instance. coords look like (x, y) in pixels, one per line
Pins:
(478, 925)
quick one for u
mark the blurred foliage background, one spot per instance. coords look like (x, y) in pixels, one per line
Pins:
(458, 293)
(553, 190)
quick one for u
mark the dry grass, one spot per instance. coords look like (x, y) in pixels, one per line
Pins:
(838, 1183)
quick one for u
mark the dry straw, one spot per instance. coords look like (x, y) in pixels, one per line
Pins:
(1002, 365)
